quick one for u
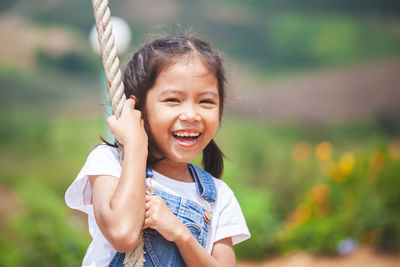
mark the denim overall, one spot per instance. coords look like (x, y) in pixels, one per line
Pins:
(158, 250)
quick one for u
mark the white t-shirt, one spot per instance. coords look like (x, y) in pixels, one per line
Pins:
(228, 219)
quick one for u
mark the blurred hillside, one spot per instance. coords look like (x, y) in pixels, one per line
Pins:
(263, 40)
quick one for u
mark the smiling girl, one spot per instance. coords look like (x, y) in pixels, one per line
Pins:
(189, 216)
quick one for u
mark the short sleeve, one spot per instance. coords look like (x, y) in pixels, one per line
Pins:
(231, 221)
(103, 160)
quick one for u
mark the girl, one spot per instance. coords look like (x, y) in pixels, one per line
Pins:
(189, 216)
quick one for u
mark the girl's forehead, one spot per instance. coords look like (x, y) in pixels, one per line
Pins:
(187, 71)
(189, 64)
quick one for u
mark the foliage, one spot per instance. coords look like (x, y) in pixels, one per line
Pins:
(325, 40)
(5, 4)
(275, 36)
(338, 182)
(390, 7)
(352, 201)
(36, 164)
(34, 92)
(258, 208)
(283, 40)
(42, 235)
(72, 62)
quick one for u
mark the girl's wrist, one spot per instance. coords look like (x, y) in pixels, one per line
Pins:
(183, 236)
(137, 147)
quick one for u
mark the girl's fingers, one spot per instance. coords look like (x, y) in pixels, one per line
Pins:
(111, 120)
(128, 105)
(146, 219)
(145, 224)
(150, 197)
(131, 103)
(148, 222)
(147, 205)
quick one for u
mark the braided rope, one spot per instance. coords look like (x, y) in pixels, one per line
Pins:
(115, 88)
(109, 56)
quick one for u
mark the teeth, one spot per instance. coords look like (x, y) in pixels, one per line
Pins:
(186, 134)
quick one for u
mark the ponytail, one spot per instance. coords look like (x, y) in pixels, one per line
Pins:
(213, 161)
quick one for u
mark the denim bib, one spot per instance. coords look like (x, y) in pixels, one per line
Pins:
(158, 250)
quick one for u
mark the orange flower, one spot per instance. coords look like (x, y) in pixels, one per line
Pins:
(320, 193)
(346, 163)
(338, 175)
(298, 216)
(323, 151)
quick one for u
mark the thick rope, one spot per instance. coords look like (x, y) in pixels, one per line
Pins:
(113, 75)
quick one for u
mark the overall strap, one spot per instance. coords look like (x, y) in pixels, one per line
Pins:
(204, 182)
(149, 171)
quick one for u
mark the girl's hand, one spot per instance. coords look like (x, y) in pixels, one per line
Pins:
(160, 218)
(129, 128)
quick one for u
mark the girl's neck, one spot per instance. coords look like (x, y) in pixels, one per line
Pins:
(174, 170)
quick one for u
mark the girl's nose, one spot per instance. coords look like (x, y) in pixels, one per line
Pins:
(189, 114)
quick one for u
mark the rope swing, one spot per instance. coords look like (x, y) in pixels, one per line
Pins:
(115, 89)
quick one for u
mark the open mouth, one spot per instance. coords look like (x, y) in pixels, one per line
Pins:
(186, 138)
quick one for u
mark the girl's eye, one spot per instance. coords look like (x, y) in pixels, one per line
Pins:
(173, 100)
(207, 102)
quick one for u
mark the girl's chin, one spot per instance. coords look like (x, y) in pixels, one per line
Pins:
(176, 157)
(179, 153)
(182, 158)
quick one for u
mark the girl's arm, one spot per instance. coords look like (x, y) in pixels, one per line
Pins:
(159, 217)
(119, 204)
(194, 254)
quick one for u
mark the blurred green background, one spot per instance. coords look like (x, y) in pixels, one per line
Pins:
(311, 129)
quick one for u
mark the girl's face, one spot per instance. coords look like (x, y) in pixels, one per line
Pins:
(183, 110)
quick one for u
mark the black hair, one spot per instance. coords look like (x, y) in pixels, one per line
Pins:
(149, 61)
